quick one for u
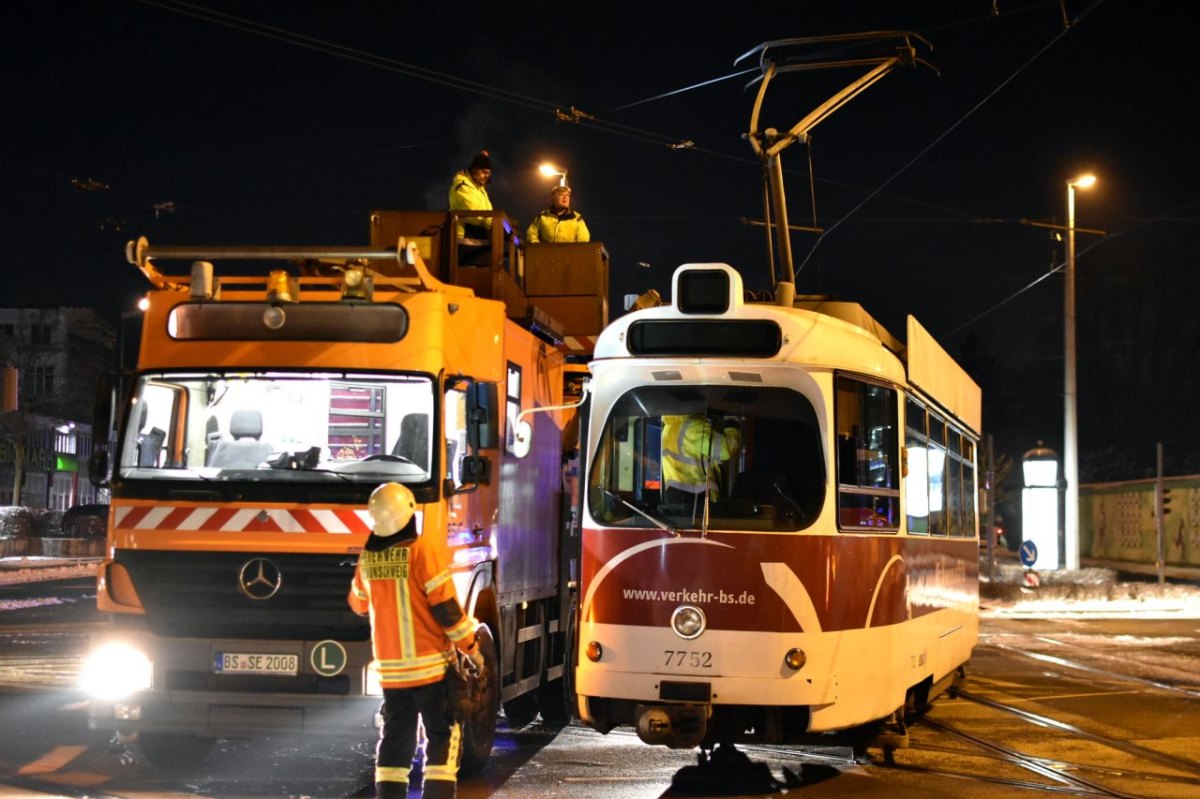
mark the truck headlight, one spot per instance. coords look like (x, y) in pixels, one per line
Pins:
(116, 671)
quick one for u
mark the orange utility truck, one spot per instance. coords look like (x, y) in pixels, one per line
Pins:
(275, 388)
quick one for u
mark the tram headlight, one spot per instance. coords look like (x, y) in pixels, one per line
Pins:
(688, 621)
(795, 659)
(116, 671)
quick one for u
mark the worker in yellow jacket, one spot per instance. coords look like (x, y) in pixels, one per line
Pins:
(558, 223)
(403, 583)
(693, 449)
(468, 192)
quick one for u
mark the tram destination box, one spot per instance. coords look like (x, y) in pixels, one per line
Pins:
(566, 269)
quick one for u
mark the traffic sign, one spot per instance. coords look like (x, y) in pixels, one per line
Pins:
(328, 658)
(1028, 554)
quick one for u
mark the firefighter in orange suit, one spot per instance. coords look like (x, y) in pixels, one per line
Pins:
(403, 582)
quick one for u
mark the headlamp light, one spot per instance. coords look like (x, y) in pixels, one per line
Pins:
(688, 621)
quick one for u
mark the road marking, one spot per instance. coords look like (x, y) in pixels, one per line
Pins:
(53, 760)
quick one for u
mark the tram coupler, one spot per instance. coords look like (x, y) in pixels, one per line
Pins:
(673, 726)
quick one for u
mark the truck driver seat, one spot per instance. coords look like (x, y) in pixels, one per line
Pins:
(242, 450)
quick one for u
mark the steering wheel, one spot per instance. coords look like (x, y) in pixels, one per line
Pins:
(387, 458)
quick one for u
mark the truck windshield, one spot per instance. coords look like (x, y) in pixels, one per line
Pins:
(280, 426)
(750, 460)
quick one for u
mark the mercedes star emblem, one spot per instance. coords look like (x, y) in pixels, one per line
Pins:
(259, 578)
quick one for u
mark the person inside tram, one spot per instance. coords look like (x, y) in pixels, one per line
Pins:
(693, 451)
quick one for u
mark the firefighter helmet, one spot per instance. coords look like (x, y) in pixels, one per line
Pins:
(391, 507)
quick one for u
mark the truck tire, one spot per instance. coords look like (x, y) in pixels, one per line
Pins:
(170, 751)
(556, 699)
(479, 727)
(521, 710)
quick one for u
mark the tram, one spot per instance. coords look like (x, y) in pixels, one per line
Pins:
(819, 573)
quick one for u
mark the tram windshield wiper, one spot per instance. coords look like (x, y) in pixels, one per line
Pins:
(660, 524)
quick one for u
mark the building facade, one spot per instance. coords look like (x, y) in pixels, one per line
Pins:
(52, 358)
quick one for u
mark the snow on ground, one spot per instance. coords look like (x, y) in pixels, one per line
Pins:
(1088, 592)
(1159, 607)
(32, 569)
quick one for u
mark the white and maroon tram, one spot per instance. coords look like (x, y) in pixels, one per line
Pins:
(826, 577)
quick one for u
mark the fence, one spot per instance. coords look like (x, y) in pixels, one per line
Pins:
(1116, 521)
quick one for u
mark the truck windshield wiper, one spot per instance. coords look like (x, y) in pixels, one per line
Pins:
(644, 514)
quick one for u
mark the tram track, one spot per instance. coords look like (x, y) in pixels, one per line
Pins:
(1076, 778)
(1092, 669)
(1136, 750)
(1055, 771)
(1106, 771)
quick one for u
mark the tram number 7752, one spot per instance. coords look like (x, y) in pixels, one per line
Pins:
(682, 657)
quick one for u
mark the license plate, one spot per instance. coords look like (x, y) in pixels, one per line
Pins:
(255, 663)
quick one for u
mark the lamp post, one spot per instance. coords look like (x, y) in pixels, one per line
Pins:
(1070, 423)
(551, 171)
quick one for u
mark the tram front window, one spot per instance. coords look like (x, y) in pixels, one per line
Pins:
(749, 459)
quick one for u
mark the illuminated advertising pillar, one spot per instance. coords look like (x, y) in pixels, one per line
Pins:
(1039, 505)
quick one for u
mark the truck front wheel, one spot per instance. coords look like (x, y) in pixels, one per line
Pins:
(479, 726)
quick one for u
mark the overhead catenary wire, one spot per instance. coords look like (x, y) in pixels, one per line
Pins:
(496, 93)
(938, 139)
(1058, 267)
(394, 65)
(334, 49)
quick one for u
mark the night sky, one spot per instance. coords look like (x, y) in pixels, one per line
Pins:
(272, 123)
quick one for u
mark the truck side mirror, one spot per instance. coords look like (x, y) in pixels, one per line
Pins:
(477, 469)
(98, 468)
(102, 430)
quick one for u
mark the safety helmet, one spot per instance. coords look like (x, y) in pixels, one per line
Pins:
(391, 507)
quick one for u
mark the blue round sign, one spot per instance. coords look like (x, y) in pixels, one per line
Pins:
(1028, 554)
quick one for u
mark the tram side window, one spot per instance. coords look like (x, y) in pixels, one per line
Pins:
(954, 485)
(868, 487)
(960, 485)
(970, 524)
(937, 475)
(916, 482)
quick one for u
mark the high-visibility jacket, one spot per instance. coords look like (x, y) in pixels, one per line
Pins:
(692, 452)
(415, 616)
(467, 195)
(550, 228)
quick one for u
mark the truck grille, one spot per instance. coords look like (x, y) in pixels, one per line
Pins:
(179, 680)
(197, 595)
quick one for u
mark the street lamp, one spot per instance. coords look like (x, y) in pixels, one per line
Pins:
(1070, 422)
(549, 170)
